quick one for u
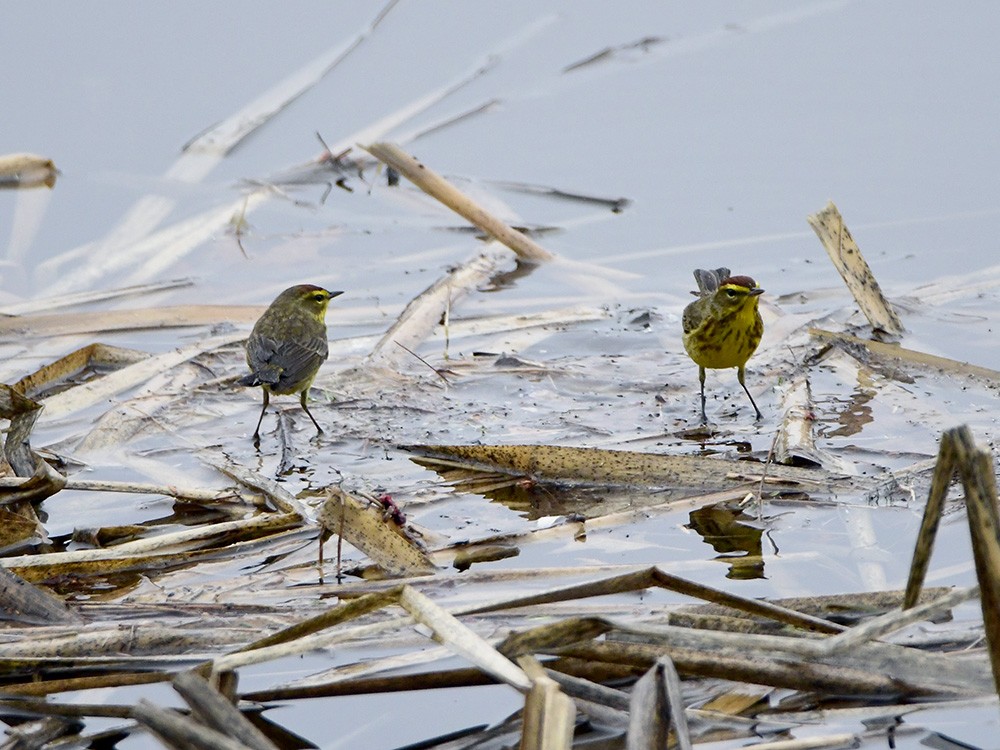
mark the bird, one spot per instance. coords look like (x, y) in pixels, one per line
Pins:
(723, 327)
(287, 346)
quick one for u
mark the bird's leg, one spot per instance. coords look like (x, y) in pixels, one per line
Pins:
(256, 432)
(302, 400)
(701, 379)
(739, 376)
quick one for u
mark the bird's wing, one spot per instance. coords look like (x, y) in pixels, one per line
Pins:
(688, 321)
(282, 364)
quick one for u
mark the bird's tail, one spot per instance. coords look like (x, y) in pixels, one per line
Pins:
(249, 380)
(261, 377)
(708, 281)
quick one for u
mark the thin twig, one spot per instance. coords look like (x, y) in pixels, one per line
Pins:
(432, 367)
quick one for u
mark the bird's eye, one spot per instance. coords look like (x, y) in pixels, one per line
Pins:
(319, 296)
(731, 293)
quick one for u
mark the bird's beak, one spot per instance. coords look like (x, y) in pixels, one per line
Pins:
(755, 292)
(333, 294)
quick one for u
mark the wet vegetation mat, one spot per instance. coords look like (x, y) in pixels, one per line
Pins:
(366, 568)
(513, 528)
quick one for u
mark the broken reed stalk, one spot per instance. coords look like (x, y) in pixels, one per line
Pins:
(846, 256)
(44, 707)
(859, 348)
(23, 412)
(102, 646)
(27, 171)
(549, 714)
(463, 641)
(890, 622)
(48, 304)
(656, 705)
(36, 733)
(282, 499)
(20, 600)
(959, 455)
(423, 313)
(138, 488)
(213, 709)
(347, 610)
(437, 680)
(177, 730)
(99, 390)
(182, 541)
(757, 668)
(656, 577)
(439, 188)
(37, 687)
(944, 471)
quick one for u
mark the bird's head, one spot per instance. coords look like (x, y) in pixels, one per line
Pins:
(736, 292)
(311, 298)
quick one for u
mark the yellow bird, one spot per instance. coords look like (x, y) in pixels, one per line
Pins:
(722, 328)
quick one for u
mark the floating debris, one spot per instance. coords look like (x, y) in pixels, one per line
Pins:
(21, 171)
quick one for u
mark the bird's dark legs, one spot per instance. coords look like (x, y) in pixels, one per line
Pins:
(701, 379)
(739, 375)
(256, 432)
(267, 400)
(305, 408)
